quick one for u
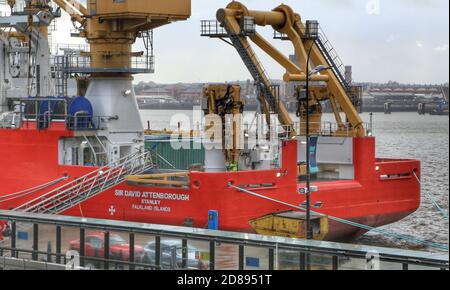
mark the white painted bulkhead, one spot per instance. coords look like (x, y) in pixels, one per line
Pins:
(116, 114)
(334, 157)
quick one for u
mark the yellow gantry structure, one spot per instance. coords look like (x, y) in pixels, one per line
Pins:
(285, 21)
(111, 27)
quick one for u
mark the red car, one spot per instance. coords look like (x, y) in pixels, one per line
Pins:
(119, 249)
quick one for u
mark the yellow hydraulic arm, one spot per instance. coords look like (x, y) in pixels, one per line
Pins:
(75, 9)
(224, 100)
(286, 22)
(267, 97)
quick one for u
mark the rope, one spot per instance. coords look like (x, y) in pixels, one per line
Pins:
(29, 191)
(357, 225)
(433, 200)
(161, 157)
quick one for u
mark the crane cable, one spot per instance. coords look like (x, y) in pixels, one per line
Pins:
(433, 200)
(354, 224)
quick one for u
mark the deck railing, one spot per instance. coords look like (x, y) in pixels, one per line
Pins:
(53, 238)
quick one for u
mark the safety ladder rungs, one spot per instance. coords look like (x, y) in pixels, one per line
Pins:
(86, 187)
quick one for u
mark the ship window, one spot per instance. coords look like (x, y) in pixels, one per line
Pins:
(89, 157)
(125, 151)
(75, 156)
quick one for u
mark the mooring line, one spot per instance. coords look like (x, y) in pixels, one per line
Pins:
(433, 200)
(29, 191)
(354, 224)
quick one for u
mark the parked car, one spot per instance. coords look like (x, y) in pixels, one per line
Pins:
(119, 249)
(172, 256)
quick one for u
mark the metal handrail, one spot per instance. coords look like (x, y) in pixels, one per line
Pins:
(275, 245)
(44, 120)
(212, 28)
(78, 58)
(87, 180)
(334, 59)
(67, 198)
(329, 128)
(63, 257)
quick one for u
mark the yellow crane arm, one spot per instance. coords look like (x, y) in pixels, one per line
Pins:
(230, 20)
(76, 10)
(78, 6)
(285, 21)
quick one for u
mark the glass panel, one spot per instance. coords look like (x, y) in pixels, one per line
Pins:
(320, 262)
(227, 257)
(70, 241)
(171, 253)
(146, 246)
(422, 268)
(198, 255)
(119, 250)
(47, 242)
(390, 266)
(288, 260)
(94, 249)
(346, 263)
(256, 258)
(24, 239)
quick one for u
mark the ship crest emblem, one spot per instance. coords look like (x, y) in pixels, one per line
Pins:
(112, 210)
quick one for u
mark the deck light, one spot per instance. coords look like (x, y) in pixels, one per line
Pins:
(127, 93)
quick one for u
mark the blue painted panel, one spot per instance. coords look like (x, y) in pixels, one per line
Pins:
(23, 236)
(314, 168)
(213, 220)
(252, 262)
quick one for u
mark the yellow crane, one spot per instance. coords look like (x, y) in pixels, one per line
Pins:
(111, 27)
(239, 22)
(225, 100)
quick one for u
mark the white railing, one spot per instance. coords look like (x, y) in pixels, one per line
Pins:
(330, 129)
(83, 188)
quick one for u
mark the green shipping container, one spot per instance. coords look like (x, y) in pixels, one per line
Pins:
(169, 155)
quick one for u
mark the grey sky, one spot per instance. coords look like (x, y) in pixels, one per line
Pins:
(401, 40)
(407, 41)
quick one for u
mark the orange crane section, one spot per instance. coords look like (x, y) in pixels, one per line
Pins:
(111, 27)
(237, 21)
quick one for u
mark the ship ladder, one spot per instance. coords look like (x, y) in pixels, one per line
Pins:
(239, 41)
(336, 65)
(255, 68)
(88, 186)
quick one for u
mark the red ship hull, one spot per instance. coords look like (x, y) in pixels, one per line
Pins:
(383, 191)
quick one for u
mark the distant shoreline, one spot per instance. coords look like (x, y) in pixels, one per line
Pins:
(367, 109)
